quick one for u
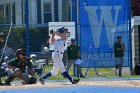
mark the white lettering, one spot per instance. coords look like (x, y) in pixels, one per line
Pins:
(105, 18)
(96, 56)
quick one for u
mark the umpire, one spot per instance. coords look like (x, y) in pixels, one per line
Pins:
(19, 65)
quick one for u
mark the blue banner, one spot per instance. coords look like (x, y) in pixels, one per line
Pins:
(101, 21)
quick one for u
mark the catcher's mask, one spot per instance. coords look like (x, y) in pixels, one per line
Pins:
(20, 51)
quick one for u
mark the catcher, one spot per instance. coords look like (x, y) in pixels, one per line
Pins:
(19, 66)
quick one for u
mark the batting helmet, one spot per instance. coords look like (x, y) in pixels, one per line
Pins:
(62, 29)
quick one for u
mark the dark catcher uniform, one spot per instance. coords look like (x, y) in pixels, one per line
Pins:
(19, 66)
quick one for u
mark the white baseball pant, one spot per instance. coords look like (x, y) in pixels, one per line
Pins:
(58, 63)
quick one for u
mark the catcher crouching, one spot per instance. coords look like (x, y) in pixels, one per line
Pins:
(19, 66)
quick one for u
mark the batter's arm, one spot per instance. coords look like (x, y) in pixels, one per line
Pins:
(53, 39)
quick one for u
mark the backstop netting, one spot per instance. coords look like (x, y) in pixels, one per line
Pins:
(25, 23)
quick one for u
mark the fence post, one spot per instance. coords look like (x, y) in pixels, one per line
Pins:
(130, 37)
(74, 19)
(27, 28)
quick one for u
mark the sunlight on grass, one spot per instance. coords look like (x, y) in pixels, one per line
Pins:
(107, 72)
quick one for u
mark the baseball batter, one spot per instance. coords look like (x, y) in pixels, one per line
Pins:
(58, 39)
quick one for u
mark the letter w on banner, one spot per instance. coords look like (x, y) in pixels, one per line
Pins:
(100, 23)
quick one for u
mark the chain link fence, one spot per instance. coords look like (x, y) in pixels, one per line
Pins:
(36, 19)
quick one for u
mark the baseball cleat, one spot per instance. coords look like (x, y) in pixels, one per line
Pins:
(75, 81)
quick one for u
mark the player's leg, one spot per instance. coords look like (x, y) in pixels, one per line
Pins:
(120, 66)
(28, 79)
(69, 65)
(54, 70)
(25, 77)
(17, 73)
(116, 65)
(60, 65)
(79, 70)
(64, 72)
(9, 80)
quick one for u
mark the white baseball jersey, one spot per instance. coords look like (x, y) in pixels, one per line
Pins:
(59, 44)
(57, 55)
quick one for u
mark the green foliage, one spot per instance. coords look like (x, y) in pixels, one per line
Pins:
(38, 36)
(17, 37)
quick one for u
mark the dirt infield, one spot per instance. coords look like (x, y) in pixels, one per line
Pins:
(111, 83)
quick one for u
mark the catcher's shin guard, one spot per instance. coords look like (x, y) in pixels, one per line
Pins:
(32, 80)
(9, 80)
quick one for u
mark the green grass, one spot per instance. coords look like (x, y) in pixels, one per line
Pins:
(58, 76)
(107, 72)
